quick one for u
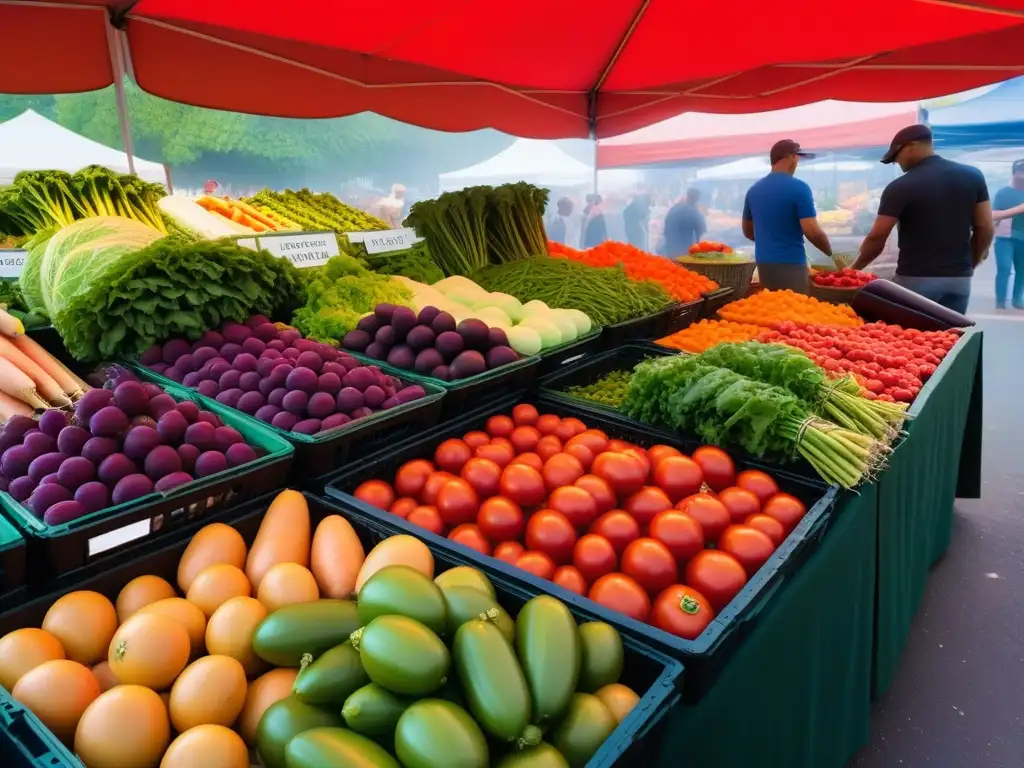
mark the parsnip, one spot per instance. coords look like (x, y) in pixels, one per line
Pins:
(73, 386)
(10, 406)
(46, 385)
(18, 385)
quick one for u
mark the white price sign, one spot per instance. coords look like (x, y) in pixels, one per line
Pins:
(12, 262)
(388, 240)
(311, 249)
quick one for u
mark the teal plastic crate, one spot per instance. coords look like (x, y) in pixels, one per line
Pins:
(26, 743)
(12, 558)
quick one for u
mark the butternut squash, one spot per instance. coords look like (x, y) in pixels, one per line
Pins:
(283, 537)
(397, 550)
(336, 557)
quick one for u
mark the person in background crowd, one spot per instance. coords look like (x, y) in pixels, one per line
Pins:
(558, 226)
(778, 212)
(595, 230)
(1008, 213)
(684, 225)
(944, 217)
(392, 207)
(210, 187)
(634, 219)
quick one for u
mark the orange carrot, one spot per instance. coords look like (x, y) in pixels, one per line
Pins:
(73, 386)
(44, 383)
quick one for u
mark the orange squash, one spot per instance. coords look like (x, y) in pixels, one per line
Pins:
(229, 631)
(216, 585)
(149, 649)
(336, 557)
(140, 592)
(213, 544)
(126, 726)
(211, 691)
(283, 537)
(264, 691)
(23, 650)
(190, 616)
(397, 550)
(210, 746)
(83, 622)
(58, 692)
(287, 583)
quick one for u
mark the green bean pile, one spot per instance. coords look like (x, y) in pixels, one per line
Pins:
(604, 294)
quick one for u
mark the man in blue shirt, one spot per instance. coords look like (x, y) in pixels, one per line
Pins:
(777, 214)
(1008, 213)
(684, 225)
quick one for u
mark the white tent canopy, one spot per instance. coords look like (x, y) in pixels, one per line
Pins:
(756, 167)
(531, 160)
(31, 142)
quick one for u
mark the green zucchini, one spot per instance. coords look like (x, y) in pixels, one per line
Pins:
(336, 748)
(541, 756)
(374, 710)
(468, 603)
(291, 632)
(284, 720)
(586, 726)
(464, 576)
(548, 647)
(434, 733)
(601, 656)
(329, 679)
(403, 591)
(402, 655)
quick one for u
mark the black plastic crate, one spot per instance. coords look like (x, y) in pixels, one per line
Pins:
(672, 318)
(554, 358)
(592, 368)
(715, 300)
(654, 676)
(13, 558)
(703, 657)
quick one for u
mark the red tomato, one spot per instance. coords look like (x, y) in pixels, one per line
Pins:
(785, 508)
(569, 427)
(523, 484)
(594, 556)
(427, 517)
(484, 475)
(624, 472)
(530, 459)
(709, 512)
(524, 439)
(550, 532)
(509, 551)
(680, 532)
(457, 502)
(682, 611)
(561, 469)
(658, 452)
(621, 593)
(451, 455)
(505, 443)
(640, 455)
(411, 477)
(377, 494)
(646, 503)
(749, 546)
(536, 563)
(500, 426)
(500, 454)
(761, 484)
(525, 414)
(740, 502)
(548, 446)
(403, 506)
(547, 423)
(719, 471)
(649, 562)
(469, 534)
(769, 526)
(475, 439)
(581, 453)
(716, 575)
(570, 578)
(594, 439)
(678, 476)
(500, 519)
(433, 486)
(617, 446)
(576, 504)
(619, 527)
(600, 490)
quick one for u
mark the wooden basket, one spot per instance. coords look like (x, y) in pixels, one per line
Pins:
(728, 274)
(832, 294)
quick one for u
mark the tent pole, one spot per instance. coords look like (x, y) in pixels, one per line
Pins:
(117, 67)
(595, 165)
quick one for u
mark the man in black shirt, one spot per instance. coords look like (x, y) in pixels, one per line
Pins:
(944, 217)
(684, 225)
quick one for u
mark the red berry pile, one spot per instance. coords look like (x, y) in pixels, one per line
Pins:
(843, 278)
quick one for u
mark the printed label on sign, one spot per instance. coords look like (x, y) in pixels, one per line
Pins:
(12, 262)
(310, 249)
(388, 240)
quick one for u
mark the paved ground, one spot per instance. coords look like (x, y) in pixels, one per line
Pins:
(958, 699)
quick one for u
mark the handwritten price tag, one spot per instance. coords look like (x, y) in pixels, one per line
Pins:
(12, 262)
(310, 249)
(388, 240)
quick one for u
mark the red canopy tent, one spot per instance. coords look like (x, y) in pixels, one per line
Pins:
(533, 68)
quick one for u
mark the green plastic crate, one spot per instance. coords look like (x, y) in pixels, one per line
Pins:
(26, 743)
(12, 557)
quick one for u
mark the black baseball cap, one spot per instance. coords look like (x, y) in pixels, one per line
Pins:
(785, 148)
(906, 136)
(1018, 166)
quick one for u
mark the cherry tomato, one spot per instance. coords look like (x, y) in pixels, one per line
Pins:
(500, 426)
(377, 494)
(500, 519)
(432, 487)
(787, 509)
(740, 502)
(550, 532)
(524, 438)
(749, 546)
(509, 551)
(403, 506)
(475, 439)
(679, 532)
(548, 446)
(576, 504)
(501, 455)
(716, 575)
(719, 471)
(682, 611)
(649, 562)
(530, 459)
(761, 484)
(678, 476)
(768, 526)
(411, 477)
(525, 414)
(537, 563)
(619, 527)
(594, 556)
(658, 452)
(547, 423)
(451, 455)
(594, 439)
(646, 503)
(570, 578)
(624, 472)
(709, 512)
(427, 517)
(561, 469)
(457, 502)
(621, 593)
(484, 475)
(581, 453)
(569, 428)
(600, 490)
(470, 535)
(523, 484)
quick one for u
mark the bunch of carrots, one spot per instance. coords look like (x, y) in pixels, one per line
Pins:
(244, 214)
(31, 379)
(705, 334)
(769, 309)
(679, 283)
